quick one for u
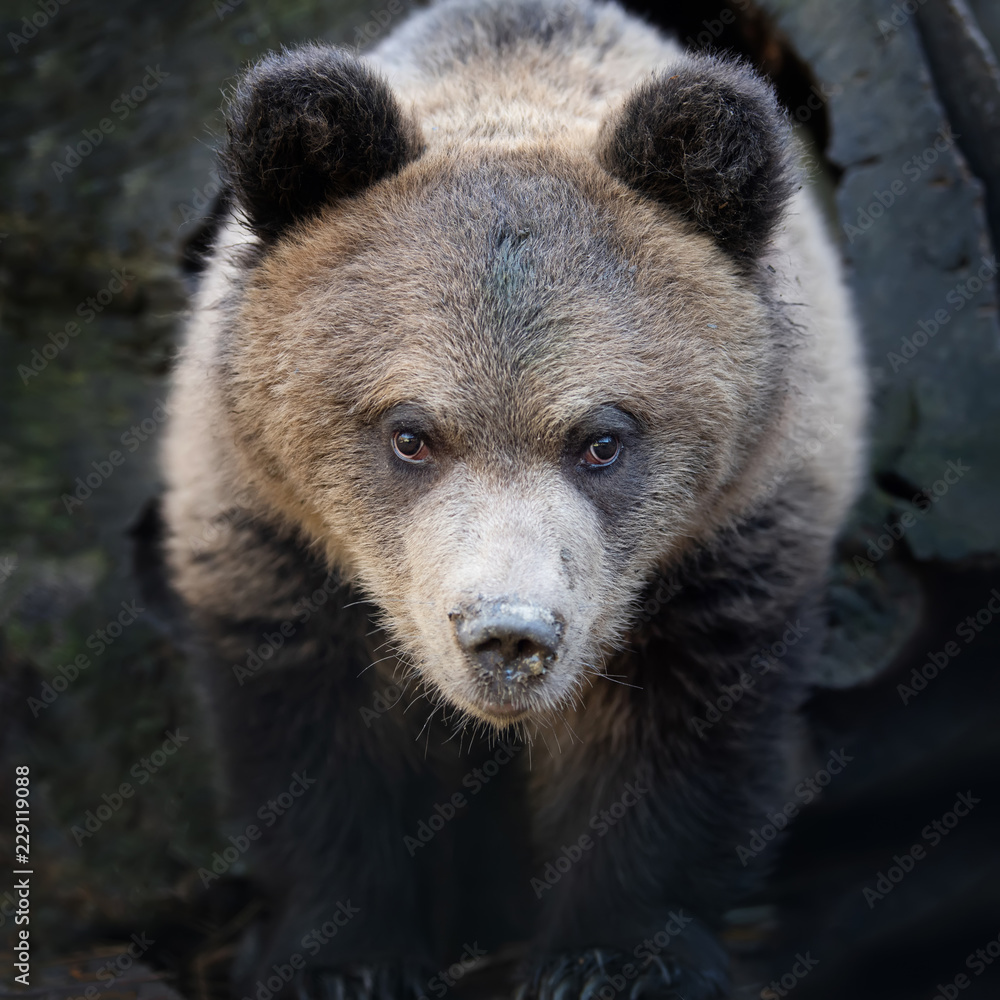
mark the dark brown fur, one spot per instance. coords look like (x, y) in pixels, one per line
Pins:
(709, 139)
(309, 126)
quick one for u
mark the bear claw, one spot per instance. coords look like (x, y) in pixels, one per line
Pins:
(604, 974)
(360, 982)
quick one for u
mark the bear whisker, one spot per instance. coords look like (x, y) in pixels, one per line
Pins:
(382, 659)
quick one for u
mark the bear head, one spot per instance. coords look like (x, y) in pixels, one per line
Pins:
(501, 384)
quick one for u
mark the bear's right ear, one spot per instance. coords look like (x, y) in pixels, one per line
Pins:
(308, 126)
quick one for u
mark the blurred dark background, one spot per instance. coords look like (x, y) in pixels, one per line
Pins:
(109, 116)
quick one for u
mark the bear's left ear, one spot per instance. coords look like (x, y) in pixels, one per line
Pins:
(709, 139)
(306, 127)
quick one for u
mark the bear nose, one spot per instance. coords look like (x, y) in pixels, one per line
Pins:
(511, 639)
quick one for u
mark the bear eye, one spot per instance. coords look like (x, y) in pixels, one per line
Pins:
(602, 451)
(410, 447)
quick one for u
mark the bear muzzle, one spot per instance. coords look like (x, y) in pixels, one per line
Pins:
(510, 646)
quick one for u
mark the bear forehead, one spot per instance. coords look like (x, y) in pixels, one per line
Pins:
(501, 287)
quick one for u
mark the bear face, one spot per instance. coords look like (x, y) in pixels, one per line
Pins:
(583, 380)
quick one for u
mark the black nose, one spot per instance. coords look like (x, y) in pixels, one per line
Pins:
(508, 638)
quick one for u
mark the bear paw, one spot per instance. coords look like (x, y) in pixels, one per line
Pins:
(604, 974)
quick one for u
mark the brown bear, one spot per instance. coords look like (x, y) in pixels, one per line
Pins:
(519, 410)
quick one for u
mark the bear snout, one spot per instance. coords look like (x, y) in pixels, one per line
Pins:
(510, 644)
